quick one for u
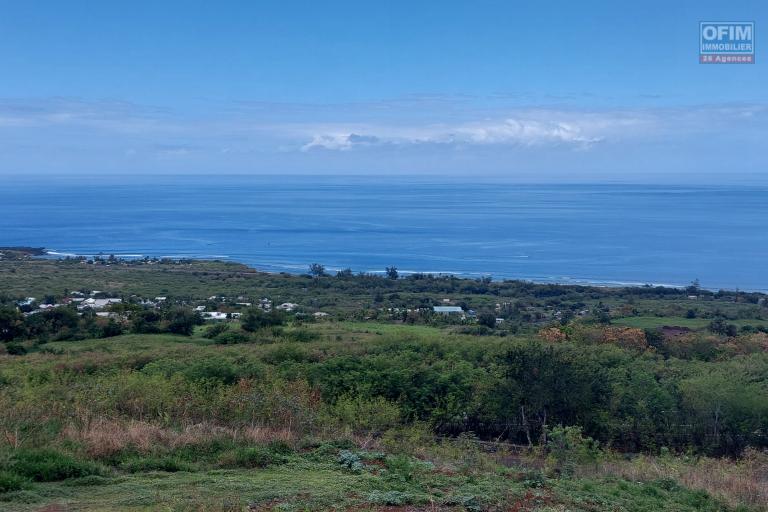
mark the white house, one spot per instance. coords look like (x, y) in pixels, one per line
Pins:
(214, 315)
(448, 310)
(98, 303)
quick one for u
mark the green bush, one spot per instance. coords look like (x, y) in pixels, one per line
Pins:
(231, 337)
(366, 415)
(45, 465)
(214, 369)
(214, 330)
(351, 461)
(166, 464)
(250, 457)
(401, 468)
(12, 482)
(255, 319)
(15, 349)
(300, 335)
(391, 498)
(567, 447)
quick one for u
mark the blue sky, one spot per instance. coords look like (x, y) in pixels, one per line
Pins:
(536, 91)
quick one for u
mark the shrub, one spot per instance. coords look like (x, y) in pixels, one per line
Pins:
(366, 415)
(391, 498)
(350, 461)
(408, 439)
(15, 349)
(12, 482)
(567, 447)
(300, 335)
(401, 468)
(255, 319)
(214, 369)
(167, 464)
(215, 330)
(45, 465)
(230, 337)
(250, 457)
(111, 329)
(182, 321)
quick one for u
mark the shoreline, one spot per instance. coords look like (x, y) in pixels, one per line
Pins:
(302, 269)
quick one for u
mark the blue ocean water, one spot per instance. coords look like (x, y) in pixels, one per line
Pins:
(632, 234)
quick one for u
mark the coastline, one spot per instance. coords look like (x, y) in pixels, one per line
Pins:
(296, 269)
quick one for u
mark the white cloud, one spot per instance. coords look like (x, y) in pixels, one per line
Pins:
(526, 128)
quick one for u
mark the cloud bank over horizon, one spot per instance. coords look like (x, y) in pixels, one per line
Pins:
(429, 134)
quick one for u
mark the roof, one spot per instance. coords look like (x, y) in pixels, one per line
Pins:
(448, 309)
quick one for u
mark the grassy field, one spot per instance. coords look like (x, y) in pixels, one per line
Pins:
(302, 486)
(150, 462)
(653, 322)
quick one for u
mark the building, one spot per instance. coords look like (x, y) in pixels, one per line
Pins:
(98, 303)
(214, 315)
(448, 310)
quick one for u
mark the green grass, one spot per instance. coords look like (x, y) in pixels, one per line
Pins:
(308, 485)
(401, 330)
(651, 322)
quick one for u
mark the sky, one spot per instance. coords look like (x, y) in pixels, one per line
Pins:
(530, 91)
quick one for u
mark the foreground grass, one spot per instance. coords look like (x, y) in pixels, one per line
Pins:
(395, 483)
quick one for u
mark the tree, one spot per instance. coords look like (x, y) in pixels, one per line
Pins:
(146, 321)
(11, 324)
(182, 321)
(720, 326)
(392, 272)
(317, 270)
(111, 329)
(63, 322)
(346, 273)
(255, 319)
(487, 319)
(600, 314)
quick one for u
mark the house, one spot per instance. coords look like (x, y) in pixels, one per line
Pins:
(287, 306)
(320, 314)
(214, 315)
(98, 303)
(448, 310)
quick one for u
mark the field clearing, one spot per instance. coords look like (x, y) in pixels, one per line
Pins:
(652, 322)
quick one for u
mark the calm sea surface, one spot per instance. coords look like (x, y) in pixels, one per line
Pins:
(555, 233)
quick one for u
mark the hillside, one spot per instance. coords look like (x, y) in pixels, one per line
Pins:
(622, 401)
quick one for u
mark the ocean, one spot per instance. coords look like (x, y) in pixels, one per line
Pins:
(601, 234)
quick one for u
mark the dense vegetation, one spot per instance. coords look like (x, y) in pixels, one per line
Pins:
(382, 402)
